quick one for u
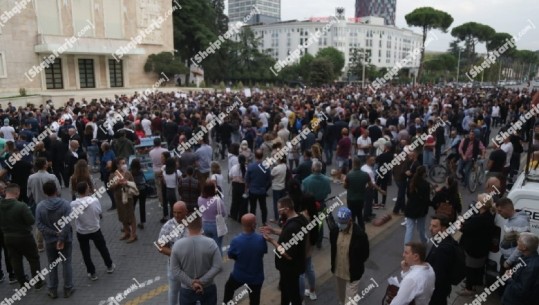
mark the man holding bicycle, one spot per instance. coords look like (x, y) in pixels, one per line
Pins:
(470, 150)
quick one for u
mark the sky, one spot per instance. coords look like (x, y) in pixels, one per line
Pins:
(509, 16)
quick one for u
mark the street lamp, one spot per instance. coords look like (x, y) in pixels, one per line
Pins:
(458, 68)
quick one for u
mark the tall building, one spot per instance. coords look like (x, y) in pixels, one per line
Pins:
(385, 46)
(63, 47)
(379, 8)
(269, 11)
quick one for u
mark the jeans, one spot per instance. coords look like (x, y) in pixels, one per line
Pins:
(190, 297)
(410, 224)
(277, 194)
(309, 273)
(328, 150)
(173, 288)
(170, 200)
(232, 285)
(142, 206)
(93, 155)
(428, 158)
(464, 168)
(401, 196)
(100, 244)
(356, 207)
(261, 198)
(67, 269)
(210, 230)
(22, 247)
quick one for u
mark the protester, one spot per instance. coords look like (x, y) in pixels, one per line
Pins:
(189, 190)
(196, 272)
(257, 183)
(238, 207)
(88, 228)
(179, 212)
(247, 250)
(213, 205)
(143, 188)
(16, 222)
(58, 238)
(123, 181)
(417, 206)
(349, 252)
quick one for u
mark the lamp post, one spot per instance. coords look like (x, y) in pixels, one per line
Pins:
(458, 68)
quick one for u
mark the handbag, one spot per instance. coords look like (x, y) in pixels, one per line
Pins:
(391, 293)
(220, 221)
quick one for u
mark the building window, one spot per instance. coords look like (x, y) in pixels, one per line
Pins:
(53, 75)
(3, 72)
(116, 73)
(86, 73)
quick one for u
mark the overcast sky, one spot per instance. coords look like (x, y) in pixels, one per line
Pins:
(509, 16)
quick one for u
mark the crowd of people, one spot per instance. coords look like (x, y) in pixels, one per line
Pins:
(319, 137)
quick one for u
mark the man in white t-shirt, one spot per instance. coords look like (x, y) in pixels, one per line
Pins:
(278, 184)
(88, 214)
(146, 126)
(417, 276)
(263, 117)
(7, 131)
(507, 146)
(495, 115)
(364, 144)
(157, 163)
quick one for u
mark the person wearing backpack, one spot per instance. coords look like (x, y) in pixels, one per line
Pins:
(476, 242)
(442, 259)
(447, 200)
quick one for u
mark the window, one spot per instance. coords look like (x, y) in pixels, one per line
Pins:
(116, 73)
(53, 75)
(86, 73)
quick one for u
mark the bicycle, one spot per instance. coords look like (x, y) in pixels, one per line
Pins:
(477, 175)
(439, 172)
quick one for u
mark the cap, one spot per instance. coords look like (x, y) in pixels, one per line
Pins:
(344, 215)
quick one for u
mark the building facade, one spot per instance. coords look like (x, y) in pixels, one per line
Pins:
(380, 8)
(68, 45)
(270, 11)
(385, 45)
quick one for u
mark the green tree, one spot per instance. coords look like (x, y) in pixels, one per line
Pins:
(321, 71)
(455, 48)
(335, 56)
(428, 18)
(166, 63)
(195, 28)
(499, 39)
(472, 33)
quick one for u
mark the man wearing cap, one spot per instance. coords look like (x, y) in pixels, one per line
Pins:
(349, 251)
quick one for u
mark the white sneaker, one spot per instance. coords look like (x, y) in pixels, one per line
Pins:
(312, 296)
(394, 199)
(404, 222)
(307, 292)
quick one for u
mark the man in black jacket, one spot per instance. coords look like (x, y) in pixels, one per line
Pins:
(441, 257)
(348, 266)
(290, 250)
(58, 153)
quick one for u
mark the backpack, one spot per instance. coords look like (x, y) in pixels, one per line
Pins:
(458, 270)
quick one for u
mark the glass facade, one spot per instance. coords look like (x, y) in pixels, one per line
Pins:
(270, 11)
(380, 8)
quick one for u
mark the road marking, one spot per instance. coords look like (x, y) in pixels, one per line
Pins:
(148, 295)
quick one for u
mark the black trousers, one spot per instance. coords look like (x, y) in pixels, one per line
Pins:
(289, 285)
(3, 247)
(238, 207)
(232, 285)
(142, 206)
(253, 198)
(58, 170)
(23, 247)
(356, 207)
(100, 244)
(440, 295)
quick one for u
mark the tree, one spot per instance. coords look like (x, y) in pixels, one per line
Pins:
(472, 33)
(454, 48)
(335, 56)
(165, 63)
(428, 18)
(321, 71)
(194, 28)
(499, 39)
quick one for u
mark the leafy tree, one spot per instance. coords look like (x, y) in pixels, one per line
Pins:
(335, 56)
(194, 28)
(472, 33)
(166, 63)
(321, 71)
(499, 39)
(441, 62)
(428, 18)
(454, 48)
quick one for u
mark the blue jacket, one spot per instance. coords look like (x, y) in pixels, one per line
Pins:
(52, 216)
(258, 178)
(523, 287)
